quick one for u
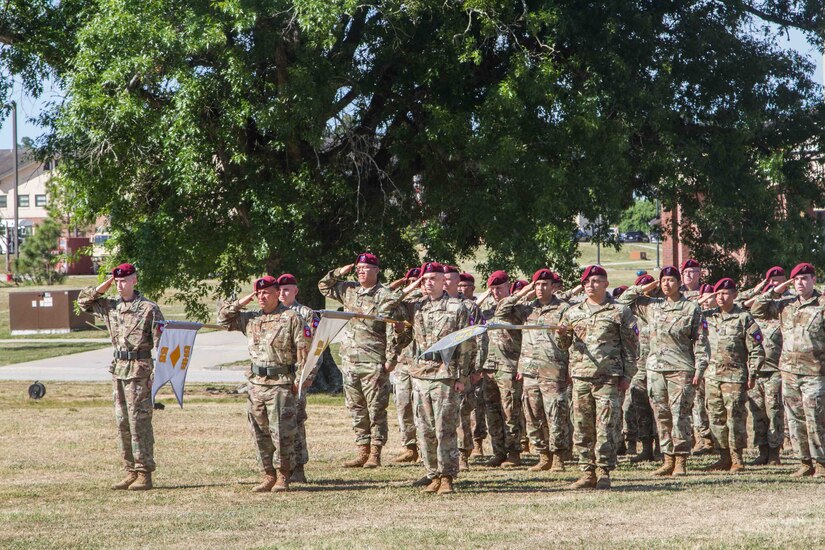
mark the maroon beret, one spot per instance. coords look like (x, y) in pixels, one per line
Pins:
(670, 271)
(619, 290)
(803, 269)
(432, 267)
(518, 285)
(768, 287)
(725, 283)
(644, 279)
(124, 270)
(705, 289)
(287, 279)
(450, 269)
(775, 271)
(591, 270)
(413, 273)
(265, 282)
(466, 278)
(497, 278)
(545, 274)
(367, 258)
(690, 262)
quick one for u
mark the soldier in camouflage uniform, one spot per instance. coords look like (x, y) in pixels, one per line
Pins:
(277, 343)
(678, 351)
(802, 363)
(736, 356)
(366, 354)
(502, 390)
(437, 386)
(601, 336)
(288, 285)
(476, 417)
(542, 366)
(134, 325)
(767, 414)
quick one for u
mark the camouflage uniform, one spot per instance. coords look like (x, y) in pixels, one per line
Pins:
(701, 422)
(404, 396)
(736, 354)
(502, 392)
(364, 351)
(678, 350)
(802, 364)
(543, 366)
(435, 399)
(466, 427)
(310, 320)
(603, 347)
(274, 340)
(134, 330)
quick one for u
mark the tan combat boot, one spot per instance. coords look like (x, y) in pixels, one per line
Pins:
(737, 465)
(497, 461)
(819, 470)
(478, 448)
(704, 446)
(433, 487)
(558, 463)
(463, 463)
(513, 460)
(281, 482)
(602, 478)
(410, 455)
(363, 455)
(680, 466)
(806, 468)
(773, 457)
(545, 462)
(586, 481)
(723, 464)
(647, 452)
(374, 460)
(762, 459)
(525, 447)
(446, 486)
(268, 482)
(298, 475)
(130, 478)
(143, 482)
(667, 468)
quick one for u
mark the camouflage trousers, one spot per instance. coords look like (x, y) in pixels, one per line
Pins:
(728, 413)
(701, 422)
(639, 424)
(404, 405)
(502, 405)
(367, 395)
(478, 416)
(767, 412)
(133, 414)
(273, 420)
(596, 412)
(547, 414)
(436, 415)
(467, 405)
(804, 397)
(671, 396)
(301, 451)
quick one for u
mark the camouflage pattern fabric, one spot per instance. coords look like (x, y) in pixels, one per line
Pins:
(547, 414)
(367, 395)
(728, 413)
(133, 414)
(404, 399)
(671, 396)
(767, 412)
(310, 320)
(436, 415)
(272, 412)
(596, 411)
(804, 397)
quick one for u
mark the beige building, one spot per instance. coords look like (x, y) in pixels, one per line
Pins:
(32, 197)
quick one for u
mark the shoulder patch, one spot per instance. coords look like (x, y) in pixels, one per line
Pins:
(636, 329)
(757, 336)
(704, 323)
(315, 321)
(307, 332)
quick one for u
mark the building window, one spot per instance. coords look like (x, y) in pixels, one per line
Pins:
(22, 201)
(4, 201)
(40, 200)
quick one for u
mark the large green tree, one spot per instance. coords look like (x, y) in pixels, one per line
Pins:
(239, 136)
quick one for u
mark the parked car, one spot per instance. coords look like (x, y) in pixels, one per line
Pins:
(581, 236)
(635, 237)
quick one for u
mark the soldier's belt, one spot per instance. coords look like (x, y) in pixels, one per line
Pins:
(273, 371)
(132, 355)
(432, 356)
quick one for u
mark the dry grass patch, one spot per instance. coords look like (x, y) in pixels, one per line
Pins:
(58, 457)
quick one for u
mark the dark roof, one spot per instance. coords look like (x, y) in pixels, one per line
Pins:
(24, 158)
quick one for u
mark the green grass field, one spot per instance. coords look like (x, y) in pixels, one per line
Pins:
(58, 456)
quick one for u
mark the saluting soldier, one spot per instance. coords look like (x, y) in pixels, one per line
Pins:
(736, 356)
(134, 325)
(601, 336)
(475, 416)
(802, 363)
(277, 343)
(366, 353)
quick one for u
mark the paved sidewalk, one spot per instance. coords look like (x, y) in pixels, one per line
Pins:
(211, 349)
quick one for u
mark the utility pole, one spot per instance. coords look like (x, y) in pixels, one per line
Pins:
(658, 237)
(16, 176)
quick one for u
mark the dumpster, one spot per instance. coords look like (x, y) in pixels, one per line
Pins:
(45, 312)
